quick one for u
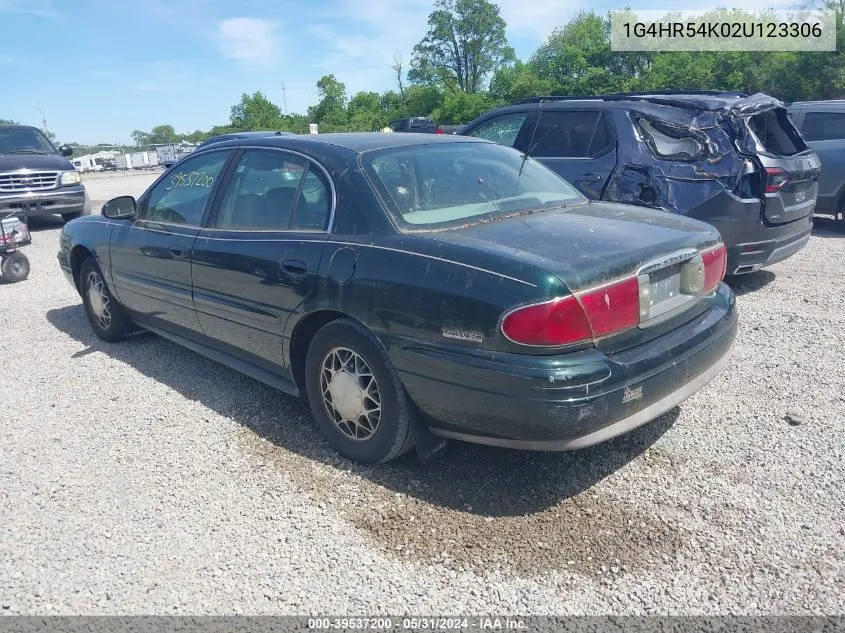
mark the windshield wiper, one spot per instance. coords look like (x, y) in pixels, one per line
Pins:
(27, 151)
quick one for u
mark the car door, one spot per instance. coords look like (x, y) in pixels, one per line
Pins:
(258, 259)
(508, 129)
(579, 145)
(151, 254)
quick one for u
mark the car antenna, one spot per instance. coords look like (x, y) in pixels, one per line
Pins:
(532, 146)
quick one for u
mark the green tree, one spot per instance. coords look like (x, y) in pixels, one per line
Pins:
(8, 122)
(255, 112)
(465, 41)
(422, 100)
(577, 59)
(515, 83)
(331, 108)
(460, 107)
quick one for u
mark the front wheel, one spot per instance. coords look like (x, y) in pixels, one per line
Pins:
(356, 395)
(104, 313)
(14, 267)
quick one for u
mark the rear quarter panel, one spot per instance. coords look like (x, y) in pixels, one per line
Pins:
(410, 290)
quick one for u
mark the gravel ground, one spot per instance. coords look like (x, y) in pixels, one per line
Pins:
(141, 478)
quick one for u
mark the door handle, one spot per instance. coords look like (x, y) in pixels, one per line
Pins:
(178, 251)
(588, 179)
(294, 267)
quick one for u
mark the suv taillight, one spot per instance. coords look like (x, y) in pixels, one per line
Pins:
(438, 131)
(776, 178)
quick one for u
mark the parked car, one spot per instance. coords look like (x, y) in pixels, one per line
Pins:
(413, 288)
(416, 124)
(731, 160)
(243, 136)
(169, 162)
(822, 124)
(36, 178)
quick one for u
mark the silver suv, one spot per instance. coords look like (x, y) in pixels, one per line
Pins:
(822, 124)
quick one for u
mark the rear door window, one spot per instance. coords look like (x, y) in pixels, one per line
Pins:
(503, 129)
(823, 126)
(572, 134)
(274, 191)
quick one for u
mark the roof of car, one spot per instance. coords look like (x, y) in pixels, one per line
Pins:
(701, 100)
(360, 141)
(833, 103)
(17, 126)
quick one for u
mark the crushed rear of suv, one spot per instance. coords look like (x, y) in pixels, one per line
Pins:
(731, 160)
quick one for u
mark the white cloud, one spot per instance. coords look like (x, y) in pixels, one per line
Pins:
(251, 41)
(41, 8)
(538, 18)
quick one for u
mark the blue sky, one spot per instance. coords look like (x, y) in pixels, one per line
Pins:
(100, 68)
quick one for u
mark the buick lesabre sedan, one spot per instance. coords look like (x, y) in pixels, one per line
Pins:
(412, 287)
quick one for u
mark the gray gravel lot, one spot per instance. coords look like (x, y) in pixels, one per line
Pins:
(142, 478)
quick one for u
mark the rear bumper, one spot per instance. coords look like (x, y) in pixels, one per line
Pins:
(61, 201)
(751, 243)
(566, 401)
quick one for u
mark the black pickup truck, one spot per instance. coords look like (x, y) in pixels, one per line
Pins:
(36, 178)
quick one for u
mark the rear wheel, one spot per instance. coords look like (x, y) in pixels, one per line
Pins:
(67, 217)
(356, 395)
(104, 313)
(14, 267)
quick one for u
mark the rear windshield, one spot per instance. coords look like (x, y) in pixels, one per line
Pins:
(24, 141)
(775, 134)
(441, 186)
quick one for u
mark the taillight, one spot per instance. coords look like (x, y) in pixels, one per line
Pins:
(557, 322)
(715, 265)
(613, 307)
(576, 318)
(776, 178)
(438, 131)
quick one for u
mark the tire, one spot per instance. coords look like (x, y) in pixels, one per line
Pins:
(105, 315)
(14, 267)
(337, 349)
(67, 217)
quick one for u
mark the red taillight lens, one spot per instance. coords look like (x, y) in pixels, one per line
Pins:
(572, 319)
(438, 131)
(613, 307)
(715, 264)
(556, 322)
(776, 178)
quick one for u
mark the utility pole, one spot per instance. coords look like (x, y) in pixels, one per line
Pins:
(284, 98)
(43, 120)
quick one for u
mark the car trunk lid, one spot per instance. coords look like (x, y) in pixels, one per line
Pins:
(591, 246)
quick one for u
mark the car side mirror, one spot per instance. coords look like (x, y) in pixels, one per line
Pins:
(120, 208)
(66, 150)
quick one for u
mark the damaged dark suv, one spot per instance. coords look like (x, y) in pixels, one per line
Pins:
(729, 159)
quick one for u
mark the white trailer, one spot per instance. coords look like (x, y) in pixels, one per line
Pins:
(123, 161)
(138, 160)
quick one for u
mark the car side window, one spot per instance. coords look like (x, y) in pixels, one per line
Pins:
(502, 129)
(823, 126)
(274, 190)
(572, 134)
(182, 195)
